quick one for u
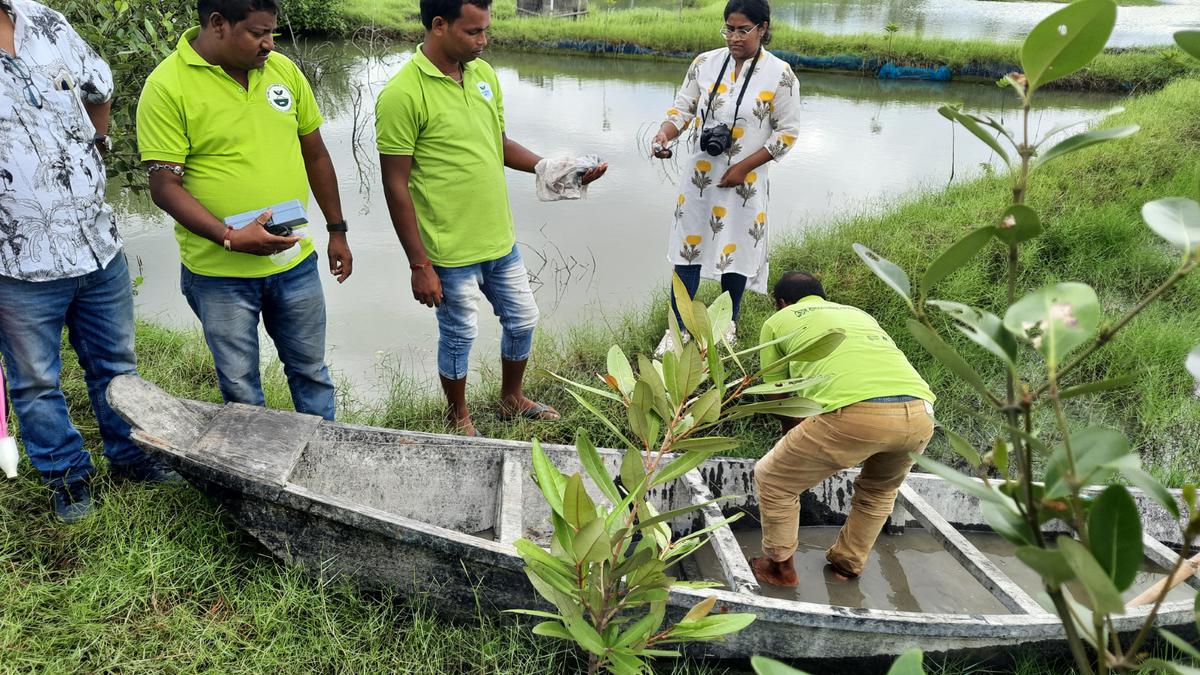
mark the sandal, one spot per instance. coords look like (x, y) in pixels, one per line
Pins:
(538, 412)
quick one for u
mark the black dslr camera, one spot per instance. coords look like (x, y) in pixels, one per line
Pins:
(716, 140)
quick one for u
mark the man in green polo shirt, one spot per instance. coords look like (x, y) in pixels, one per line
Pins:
(440, 129)
(227, 127)
(877, 411)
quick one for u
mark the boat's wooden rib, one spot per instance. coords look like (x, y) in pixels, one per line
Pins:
(1165, 557)
(280, 437)
(509, 506)
(984, 570)
(724, 543)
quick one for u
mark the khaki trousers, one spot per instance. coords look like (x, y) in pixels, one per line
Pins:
(880, 436)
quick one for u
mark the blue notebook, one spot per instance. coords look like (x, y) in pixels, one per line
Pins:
(289, 213)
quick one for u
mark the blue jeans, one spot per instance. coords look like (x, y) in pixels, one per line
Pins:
(292, 307)
(732, 282)
(505, 283)
(97, 309)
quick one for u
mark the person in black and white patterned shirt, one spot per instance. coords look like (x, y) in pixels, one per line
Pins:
(61, 262)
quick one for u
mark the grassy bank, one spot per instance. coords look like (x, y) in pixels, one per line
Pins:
(682, 33)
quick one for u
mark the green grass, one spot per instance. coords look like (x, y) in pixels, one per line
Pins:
(693, 30)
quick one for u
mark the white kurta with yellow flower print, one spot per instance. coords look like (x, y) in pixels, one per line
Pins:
(725, 229)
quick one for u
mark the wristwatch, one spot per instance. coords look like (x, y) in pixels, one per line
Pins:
(102, 142)
(336, 227)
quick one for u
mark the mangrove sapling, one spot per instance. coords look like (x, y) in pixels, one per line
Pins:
(1063, 324)
(606, 570)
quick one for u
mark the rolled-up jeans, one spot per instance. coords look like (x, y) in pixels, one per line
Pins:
(878, 435)
(97, 310)
(292, 307)
(505, 283)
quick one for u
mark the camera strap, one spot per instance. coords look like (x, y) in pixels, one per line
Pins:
(745, 83)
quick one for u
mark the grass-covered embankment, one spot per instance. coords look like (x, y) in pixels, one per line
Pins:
(684, 32)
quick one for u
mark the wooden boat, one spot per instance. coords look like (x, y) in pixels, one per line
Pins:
(437, 514)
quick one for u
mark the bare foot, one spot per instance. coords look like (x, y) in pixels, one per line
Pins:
(768, 571)
(461, 424)
(839, 573)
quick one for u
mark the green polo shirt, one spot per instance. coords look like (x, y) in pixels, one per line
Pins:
(240, 148)
(454, 133)
(867, 364)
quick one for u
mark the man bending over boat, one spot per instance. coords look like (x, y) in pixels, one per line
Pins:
(442, 148)
(877, 411)
(228, 129)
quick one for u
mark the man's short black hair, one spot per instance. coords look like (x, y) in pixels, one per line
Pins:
(234, 10)
(449, 10)
(793, 286)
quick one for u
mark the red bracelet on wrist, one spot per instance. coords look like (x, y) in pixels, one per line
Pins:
(418, 266)
(228, 234)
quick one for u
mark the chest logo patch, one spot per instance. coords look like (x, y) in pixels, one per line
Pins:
(485, 90)
(280, 97)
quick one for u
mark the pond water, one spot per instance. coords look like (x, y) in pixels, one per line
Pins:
(863, 143)
(965, 19)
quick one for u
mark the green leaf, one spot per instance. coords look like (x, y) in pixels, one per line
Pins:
(1175, 219)
(1018, 224)
(594, 465)
(553, 629)
(794, 406)
(1105, 597)
(688, 373)
(549, 479)
(681, 511)
(1094, 119)
(1048, 563)
(633, 469)
(693, 313)
(1007, 523)
(954, 114)
(707, 408)
(578, 507)
(599, 392)
(785, 386)
(593, 544)
(639, 414)
(999, 456)
(621, 371)
(603, 418)
(1189, 41)
(1094, 448)
(679, 466)
(962, 448)
(812, 351)
(1083, 140)
(720, 315)
(640, 632)
(764, 666)
(888, 271)
(983, 328)
(1057, 318)
(1162, 666)
(534, 612)
(971, 486)
(953, 258)
(707, 444)
(1153, 489)
(1115, 535)
(711, 627)
(1067, 40)
(650, 373)
(532, 553)
(626, 664)
(1096, 387)
(909, 663)
(935, 345)
(586, 636)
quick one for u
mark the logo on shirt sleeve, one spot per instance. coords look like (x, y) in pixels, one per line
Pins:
(485, 90)
(280, 97)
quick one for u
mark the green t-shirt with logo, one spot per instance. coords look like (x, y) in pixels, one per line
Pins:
(867, 364)
(454, 134)
(240, 147)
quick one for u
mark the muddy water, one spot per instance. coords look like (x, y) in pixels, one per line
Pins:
(909, 572)
(863, 143)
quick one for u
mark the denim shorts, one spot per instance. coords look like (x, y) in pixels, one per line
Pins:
(505, 283)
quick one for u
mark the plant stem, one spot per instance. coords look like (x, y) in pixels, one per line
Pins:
(1162, 596)
(1073, 639)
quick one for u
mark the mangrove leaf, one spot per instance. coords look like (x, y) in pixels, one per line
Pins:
(594, 465)
(888, 271)
(1175, 219)
(1085, 139)
(983, 328)
(1048, 563)
(620, 370)
(962, 448)
(1106, 599)
(578, 507)
(909, 663)
(1189, 41)
(954, 114)
(953, 258)
(1066, 41)
(935, 345)
(1094, 387)
(1055, 319)
(1115, 535)
(1018, 224)
(785, 386)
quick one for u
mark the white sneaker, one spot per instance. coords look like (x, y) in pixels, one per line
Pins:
(731, 334)
(667, 343)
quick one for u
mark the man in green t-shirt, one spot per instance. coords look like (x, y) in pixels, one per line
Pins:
(227, 127)
(442, 148)
(877, 411)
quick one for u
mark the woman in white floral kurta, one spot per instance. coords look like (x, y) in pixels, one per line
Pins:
(720, 225)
